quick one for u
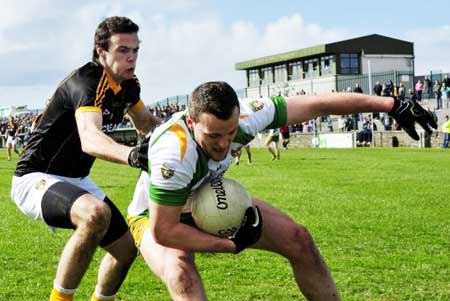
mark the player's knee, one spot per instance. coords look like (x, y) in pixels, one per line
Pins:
(300, 243)
(182, 280)
(98, 218)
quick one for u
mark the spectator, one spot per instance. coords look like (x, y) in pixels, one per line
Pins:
(401, 92)
(329, 123)
(388, 88)
(446, 131)
(387, 122)
(445, 90)
(427, 87)
(378, 88)
(446, 80)
(341, 123)
(357, 88)
(412, 95)
(419, 90)
(437, 92)
(364, 137)
(349, 124)
(427, 135)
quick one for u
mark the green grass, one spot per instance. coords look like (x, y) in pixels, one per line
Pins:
(381, 218)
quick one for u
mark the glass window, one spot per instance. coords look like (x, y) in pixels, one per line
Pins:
(280, 74)
(326, 65)
(295, 71)
(266, 75)
(253, 77)
(349, 63)
(306, 70)
(312, 69)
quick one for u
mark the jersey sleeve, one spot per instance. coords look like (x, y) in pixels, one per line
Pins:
(85, 90)
(262, 113)
(171, 170)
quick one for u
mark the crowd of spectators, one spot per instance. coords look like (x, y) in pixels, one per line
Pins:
(24, 122)
(422, 90)
(166, 111)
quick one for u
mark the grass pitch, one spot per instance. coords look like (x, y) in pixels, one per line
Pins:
(381, 218)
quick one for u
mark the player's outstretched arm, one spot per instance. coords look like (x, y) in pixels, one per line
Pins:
(303, 107)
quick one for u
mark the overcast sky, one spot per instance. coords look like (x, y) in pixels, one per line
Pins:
(187, 42)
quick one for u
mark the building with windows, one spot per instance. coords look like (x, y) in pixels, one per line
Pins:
(331, 67)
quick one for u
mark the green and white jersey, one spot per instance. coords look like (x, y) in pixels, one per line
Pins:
(177, 164)
(273, 133)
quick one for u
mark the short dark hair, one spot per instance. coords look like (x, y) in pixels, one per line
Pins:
(217, 98)
(108, 27)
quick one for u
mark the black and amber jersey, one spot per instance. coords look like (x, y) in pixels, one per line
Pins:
(54, 146)
(12, 129)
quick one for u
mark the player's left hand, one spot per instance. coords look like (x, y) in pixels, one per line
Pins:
(138, 156)
(407, 113)
(250, 230)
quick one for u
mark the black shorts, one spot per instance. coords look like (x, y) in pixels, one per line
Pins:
(57, 203)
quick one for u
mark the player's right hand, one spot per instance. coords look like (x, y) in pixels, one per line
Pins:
(250, 230)
(138, 156)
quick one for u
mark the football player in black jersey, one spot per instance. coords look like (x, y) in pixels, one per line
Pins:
(51, 180)
(11, 137)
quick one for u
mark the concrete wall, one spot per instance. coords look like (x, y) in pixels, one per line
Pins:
(383, 63)
(381, 139)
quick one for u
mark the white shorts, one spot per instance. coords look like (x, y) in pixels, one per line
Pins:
(27, 191)
(11, 140)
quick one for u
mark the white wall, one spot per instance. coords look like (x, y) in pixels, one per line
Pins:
(383, 63)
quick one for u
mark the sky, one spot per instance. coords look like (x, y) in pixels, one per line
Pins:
(187, 42)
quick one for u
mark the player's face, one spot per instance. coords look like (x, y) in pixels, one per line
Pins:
(215, 135)
(120, 59)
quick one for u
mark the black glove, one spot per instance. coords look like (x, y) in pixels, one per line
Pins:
(250, 230)
(138, 156)
(407, 112)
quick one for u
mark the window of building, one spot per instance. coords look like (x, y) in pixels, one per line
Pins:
(280, 74)
(266, 76)
(326, 65)
(253, 77)
(311, 68)
(295, 71)
(306, 70)
(349, 63)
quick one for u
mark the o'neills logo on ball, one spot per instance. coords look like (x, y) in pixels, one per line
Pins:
(219, 191)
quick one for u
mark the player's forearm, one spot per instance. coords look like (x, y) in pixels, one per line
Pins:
(189, 239)
(303, 108)
(144, 126)
(104, 147)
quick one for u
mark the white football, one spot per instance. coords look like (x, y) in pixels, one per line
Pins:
(219, 206)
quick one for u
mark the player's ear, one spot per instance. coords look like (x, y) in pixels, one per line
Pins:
(190, 122)
(100, 51)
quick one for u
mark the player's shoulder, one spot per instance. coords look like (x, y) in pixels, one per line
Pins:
(173, 140)
(255, 104)
(173, 155)
(86, 76)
